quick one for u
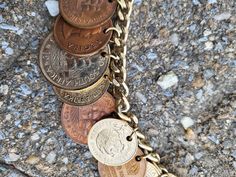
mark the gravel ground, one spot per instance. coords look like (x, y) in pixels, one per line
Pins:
(182, 77)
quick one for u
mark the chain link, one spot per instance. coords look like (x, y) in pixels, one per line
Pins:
(119, 76)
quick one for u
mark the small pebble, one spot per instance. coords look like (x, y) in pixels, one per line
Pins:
(12, 157)
(25, 89)
(4, 89)
(51, 157)
(35, 137)
(174, 39)
(214, 139)
(53, 7)
(187, 122)
(168, 80)
(209, 45)
(9, 51)
(32, 160)
(212, 1)
(223, 16)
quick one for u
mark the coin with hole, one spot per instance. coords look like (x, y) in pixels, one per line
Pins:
(70, 72)
(109, 143)
(87, 13)
(81, 42)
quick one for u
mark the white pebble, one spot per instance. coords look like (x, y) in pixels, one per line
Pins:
(187, 122)
(12, 157)
(4, 89)
(53, 7)
(207, 32)
(209, 45)
(223, 16)
(168, 80)
(65, 160)
(174, 39)
(51, 157)
(212, 1)
(8, 27)
(4, 44)
(9, 51)
(35, 137)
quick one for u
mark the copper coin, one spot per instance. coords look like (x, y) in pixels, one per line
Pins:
(85, 96)
(78, 120)
(69, 72)
(133, 168)
(87, 13)
(81, 42)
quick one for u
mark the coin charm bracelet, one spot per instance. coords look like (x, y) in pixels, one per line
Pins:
(84, 58)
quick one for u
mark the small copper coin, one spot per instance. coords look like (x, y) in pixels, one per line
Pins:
(133, 168)
(69, 72)
(85, 96)
(81, 42)
(78, 120)
(87, 13)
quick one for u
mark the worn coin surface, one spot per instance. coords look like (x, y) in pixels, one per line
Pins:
(85, 96)
(78, 120)
(87, 13)
(108, 142)
(69, 72)
(133, 168)
(152, 171)
(81, 42)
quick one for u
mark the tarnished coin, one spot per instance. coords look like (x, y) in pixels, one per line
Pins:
(133, 168)
(78, 120)
(87, 13)
(81, 42)
(85, 96)
(69, 72)
(109, 144)
(152, 171)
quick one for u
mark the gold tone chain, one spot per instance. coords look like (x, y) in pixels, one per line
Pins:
(118, 80)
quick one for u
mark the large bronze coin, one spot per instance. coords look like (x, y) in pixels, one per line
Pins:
(87, 13)
(133, 168)
(81, 42)
(78, 120)
(69, 72)
(85, 96)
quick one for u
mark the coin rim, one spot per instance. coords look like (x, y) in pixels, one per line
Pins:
(80, 54)
(88, 89)
(61, 86)
(135, 138)
(64, 15)
(63, 124)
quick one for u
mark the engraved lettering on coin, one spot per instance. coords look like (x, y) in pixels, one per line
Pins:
(87, 13)
(85, 96)
(78, 120)
(67, 71)
(152, 171)
(81, 42)
(133, 168)
(108, 142)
